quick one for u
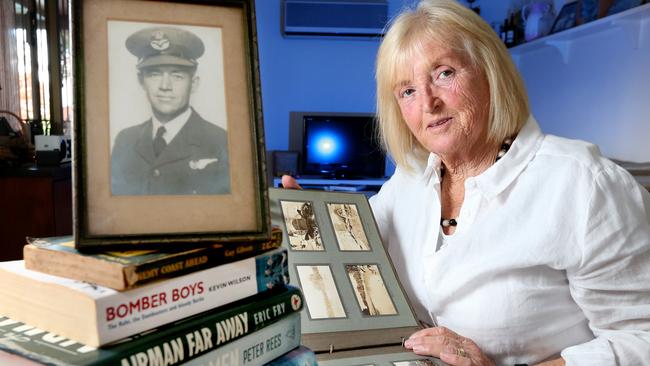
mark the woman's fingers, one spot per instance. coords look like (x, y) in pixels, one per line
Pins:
(449, 346)
(290, 182)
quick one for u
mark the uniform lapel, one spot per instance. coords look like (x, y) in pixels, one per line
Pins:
(180, 147)
(144, 144)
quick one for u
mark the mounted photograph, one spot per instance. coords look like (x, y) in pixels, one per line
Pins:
(422, 362)
(302, 228)
(370, 290)
(321, 294)
(348, 227)
(169, 147)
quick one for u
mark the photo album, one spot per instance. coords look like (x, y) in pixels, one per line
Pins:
(355, 305)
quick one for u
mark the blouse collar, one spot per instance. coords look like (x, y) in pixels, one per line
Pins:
(502, 173)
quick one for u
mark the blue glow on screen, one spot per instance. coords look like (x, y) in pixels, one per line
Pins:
(340, 146)
(326, 146)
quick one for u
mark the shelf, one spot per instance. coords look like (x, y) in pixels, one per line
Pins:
(630, 21)
(368, 186)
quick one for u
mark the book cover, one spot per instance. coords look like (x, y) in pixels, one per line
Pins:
(97, 315)
(259, 348)
(353, 297)
(172, 344)
(126, 269)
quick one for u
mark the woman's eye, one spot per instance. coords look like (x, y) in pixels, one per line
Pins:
(406, 92)
(445, 74)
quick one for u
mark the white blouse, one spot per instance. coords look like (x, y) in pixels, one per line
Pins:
(551, 254)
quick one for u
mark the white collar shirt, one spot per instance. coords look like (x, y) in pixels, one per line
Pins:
(551, 254)
(172, 127)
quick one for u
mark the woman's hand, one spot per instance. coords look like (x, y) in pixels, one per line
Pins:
(290, 182)
(448, 346)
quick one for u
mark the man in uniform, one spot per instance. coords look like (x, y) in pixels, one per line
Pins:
(175, 152)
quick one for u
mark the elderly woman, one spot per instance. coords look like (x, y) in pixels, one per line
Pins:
(520, 247)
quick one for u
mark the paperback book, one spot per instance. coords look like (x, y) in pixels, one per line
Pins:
(97, 315)
(355, 304)
(126, 269)
(206, 336)
(260, 348)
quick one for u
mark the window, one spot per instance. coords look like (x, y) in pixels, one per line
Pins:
(44, 64)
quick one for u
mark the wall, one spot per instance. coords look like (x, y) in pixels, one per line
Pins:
(601, 95)
(594, 84)
(315, 74)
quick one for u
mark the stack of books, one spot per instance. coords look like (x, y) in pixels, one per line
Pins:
(227, 304)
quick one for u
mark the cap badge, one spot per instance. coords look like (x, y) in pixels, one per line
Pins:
(159, 41)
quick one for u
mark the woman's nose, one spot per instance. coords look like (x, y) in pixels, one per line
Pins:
(429, 99)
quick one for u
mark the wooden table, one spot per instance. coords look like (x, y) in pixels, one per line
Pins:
(34, 201)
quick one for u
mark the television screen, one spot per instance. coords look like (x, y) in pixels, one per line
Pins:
(339, 146)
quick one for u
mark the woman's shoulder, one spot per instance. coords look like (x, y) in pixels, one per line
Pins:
(574, 154)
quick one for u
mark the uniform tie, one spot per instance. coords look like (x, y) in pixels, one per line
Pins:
(159, 142)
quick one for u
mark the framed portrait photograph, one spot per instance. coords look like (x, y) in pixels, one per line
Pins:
(566, 18)
(353, 296)
(169, 145)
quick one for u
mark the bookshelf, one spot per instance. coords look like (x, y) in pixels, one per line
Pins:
(368, 186)
(631, 22)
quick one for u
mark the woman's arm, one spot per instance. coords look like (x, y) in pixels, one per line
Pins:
(611, 284)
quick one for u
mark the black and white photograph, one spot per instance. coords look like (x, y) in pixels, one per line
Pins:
(348, 227)
(167, 109)
(321, 294)
(370, 290)
(168, 117)
(303, 232)
(422, 362)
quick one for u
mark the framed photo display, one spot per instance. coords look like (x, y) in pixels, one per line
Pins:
(352, 295)
(169, 146)
(566, 18)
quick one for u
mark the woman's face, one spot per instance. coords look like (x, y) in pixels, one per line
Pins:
(445, 102)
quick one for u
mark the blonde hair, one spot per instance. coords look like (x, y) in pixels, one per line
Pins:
(450, 23)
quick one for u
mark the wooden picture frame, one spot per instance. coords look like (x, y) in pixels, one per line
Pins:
(360, 303)
(566, 18)
(189, 66)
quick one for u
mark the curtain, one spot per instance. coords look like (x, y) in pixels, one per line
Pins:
(9, 84)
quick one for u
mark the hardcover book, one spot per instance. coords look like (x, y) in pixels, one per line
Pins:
(97, 315)
(218, 334)
(354, 300)
(127, 269)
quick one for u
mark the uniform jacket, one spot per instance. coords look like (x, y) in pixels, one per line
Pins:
(187, 165)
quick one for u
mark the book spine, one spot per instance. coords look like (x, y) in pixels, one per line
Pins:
(172, 344)
(192, 261)
(122, 314)
(259, 348)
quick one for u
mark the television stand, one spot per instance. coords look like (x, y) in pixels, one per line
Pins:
(368, 186)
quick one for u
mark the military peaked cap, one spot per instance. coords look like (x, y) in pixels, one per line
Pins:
(165, 46)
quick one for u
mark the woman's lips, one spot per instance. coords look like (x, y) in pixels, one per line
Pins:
(439, 122)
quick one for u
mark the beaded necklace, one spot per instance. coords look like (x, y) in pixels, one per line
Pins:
(505, 146)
